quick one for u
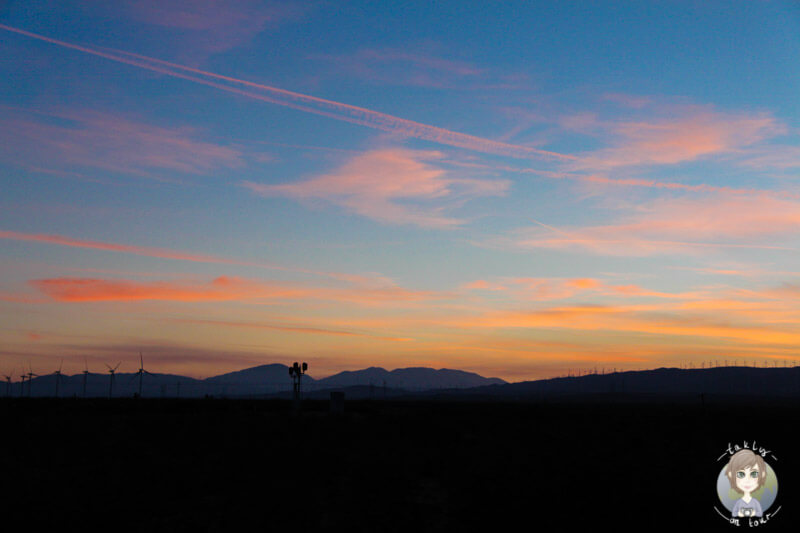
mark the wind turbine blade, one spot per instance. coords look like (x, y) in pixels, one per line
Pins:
(116, 367)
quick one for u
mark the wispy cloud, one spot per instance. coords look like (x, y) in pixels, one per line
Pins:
(375, 183)
(364, 280)
(163, 253)
(628, 100)
(539, 289)
(414, 66)
(696, 134)
(113, 142)
(312, 104)
(681, 226)
(212, 25)
(288, 328)
(636, 319)
(771, 157)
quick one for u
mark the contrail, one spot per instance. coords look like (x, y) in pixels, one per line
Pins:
(330, 108)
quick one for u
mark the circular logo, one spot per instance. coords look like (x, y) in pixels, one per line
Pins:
(747, 485)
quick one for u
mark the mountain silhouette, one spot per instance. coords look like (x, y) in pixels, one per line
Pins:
(719, 381)
(261, 380)
(411, 379)
(274, 380)
(256, 380)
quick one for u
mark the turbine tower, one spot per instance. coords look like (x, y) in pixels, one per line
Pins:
(141, 372)
(57, 374)
(85, 375)
(8, 383)
(31, 375)
(111, 381)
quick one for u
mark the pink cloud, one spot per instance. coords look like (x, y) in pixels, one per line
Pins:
(676, 140)
(111, 142)
(381, 183)
(164, 253)
(680, 226)
(772, 157)
(214, 25)
(395, 66)
(628, 100)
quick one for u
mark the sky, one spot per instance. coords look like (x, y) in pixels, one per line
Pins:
(518, 189)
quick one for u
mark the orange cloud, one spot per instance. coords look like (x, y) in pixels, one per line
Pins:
(375, 183)
(289, 329)
(635, 319)
(98, 290)
(223, 288)
(561, 288)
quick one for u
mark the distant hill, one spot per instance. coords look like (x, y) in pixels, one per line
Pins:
(411, 379)
(256, 381)
(274, 379)
(727, 381)
(98, 385)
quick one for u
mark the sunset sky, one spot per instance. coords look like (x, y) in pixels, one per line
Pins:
(517, 189)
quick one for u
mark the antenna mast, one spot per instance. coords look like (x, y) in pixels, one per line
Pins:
(297, 372)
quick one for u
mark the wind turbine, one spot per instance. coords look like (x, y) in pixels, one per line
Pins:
(8, 383)
(31, 375)
(111, 382)
(85, 375)
(22, 383)
(57, 374)
(141, 372)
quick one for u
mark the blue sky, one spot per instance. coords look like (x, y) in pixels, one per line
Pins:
(517, 189)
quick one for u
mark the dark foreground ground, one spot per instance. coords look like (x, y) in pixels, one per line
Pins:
(249, 465)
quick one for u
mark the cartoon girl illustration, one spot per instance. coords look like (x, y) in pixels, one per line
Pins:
(747, 473)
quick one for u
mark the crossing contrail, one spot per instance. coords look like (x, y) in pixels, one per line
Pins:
(312, 104)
